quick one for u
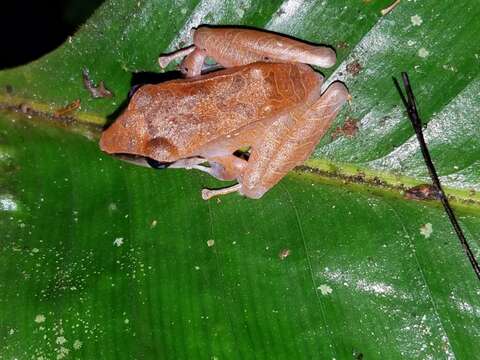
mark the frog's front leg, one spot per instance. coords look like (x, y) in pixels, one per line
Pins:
(192, 65)
(224, 168)
(208, 193)
(290, 141)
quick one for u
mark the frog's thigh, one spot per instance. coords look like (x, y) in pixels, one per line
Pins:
(272, 47)
(243, 46)
(290, 141)
(267, 162)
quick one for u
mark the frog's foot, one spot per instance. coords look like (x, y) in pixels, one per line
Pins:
(208, 194)
(166, 59)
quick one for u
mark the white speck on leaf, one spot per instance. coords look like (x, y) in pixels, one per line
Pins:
(40, 318)
(423, 53)
(118, 242)
(416, 20)
(77, 344)
(325, 289)
(426, 230)
(62, 352)
(284, 254)
(210, 242)
(7, 203)
(240, 12)
(61, 340)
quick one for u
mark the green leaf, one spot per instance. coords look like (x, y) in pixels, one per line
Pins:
(102, 259)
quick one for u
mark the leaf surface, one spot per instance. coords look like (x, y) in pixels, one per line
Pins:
(101, 259)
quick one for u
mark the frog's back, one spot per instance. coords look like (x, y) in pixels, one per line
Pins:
(171, 120)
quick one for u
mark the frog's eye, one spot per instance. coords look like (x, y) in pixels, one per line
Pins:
(157, 164)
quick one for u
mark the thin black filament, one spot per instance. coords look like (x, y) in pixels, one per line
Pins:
(411, 106)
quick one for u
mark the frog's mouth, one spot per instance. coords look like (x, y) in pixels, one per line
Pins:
(187, 163)
(142, 161)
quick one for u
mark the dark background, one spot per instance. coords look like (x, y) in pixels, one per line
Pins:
(30, 29)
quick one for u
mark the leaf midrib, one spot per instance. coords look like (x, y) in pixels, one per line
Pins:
(323, 169)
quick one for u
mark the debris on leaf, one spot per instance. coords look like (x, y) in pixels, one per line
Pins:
(284, 254)
(422, 192)
(97, 92)
(357, 355)
(40, 318)
(325, 289)
(349, 129)
(118, 242)
(354, 67)
(426, 230)
(74, 105)
(77, 344)
(416, 20)
(210, 242)
(423, 53)
(61, 340)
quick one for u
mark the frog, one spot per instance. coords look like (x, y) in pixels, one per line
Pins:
(251, 122)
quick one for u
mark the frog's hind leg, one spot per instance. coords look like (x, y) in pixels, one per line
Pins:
(231, 46)
(166, 59)
(290, 141)
(276, 48)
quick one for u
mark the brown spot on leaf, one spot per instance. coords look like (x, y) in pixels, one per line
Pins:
(349, 129)
(24, 108)
(97, 92)
(422, 192)
(284, 254)
(354, 68)
(74, 105)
